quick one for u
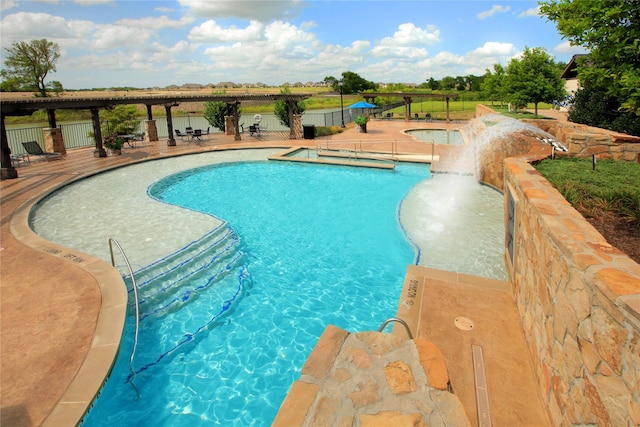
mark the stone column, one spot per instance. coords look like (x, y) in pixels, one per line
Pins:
(54, 141)
(150, 131)
(296, 127)
(229, 128)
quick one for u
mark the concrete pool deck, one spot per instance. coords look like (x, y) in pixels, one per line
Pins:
(51, 297)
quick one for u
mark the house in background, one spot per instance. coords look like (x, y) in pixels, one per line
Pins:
(570, 74)
(571, 80)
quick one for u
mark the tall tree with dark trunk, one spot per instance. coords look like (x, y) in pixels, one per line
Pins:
(30, 63)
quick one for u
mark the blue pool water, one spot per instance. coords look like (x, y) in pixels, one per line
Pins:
(227, 324)
(437, 136)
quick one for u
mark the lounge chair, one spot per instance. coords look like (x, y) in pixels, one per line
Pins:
(34, 149)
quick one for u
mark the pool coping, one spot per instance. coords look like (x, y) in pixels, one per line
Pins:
(105, 343)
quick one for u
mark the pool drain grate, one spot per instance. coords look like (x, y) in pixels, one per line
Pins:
(482, 394)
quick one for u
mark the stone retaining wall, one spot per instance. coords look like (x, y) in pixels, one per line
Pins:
(579, 301)
(584, 141)
(578, 297)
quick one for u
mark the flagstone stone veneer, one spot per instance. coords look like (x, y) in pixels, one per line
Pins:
(578, 296)
(579, 301)
(371, 379)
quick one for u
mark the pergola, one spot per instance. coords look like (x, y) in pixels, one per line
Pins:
(408, 96)
(27, 106)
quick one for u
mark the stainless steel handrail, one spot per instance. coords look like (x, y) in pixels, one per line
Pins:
(398, 320)
(113, 241)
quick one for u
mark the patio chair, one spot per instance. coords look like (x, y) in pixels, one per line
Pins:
(34, 149)
(181, 135)
(197, 135)
(140, 138)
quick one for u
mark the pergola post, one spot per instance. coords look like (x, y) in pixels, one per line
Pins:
(52, 118)
(448, 120)
(171, 142)
(7, 171)
(236, 120)
(407, 108)
(295, 122)
(97, 134)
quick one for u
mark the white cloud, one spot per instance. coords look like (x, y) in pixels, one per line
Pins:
(7, 4)
(496, 8)
(286, 38)
(156, 23)
(494, 49)
(28, 26)
(211, 32)
(567, 48)
(259, 10)
(534, 11)
(407, 42)
(117, 36)
(410, 35)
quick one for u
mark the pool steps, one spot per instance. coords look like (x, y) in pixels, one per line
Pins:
(201, 264)
(346, 157)
(211, 265)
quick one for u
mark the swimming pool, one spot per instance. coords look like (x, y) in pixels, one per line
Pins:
(210, 348)
(437, 136)
(317, 246)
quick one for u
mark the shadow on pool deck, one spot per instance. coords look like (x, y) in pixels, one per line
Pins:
(51, 305)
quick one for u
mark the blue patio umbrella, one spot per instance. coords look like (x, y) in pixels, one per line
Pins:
(362, 104)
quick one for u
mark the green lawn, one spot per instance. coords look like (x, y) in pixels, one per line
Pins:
(612, 187)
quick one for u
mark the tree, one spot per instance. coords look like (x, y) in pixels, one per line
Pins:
(123, 120)
(331, 82)
(30, 63)
(215, 112)
(534, 78)
(353, 83)
(433, 84)
(473, 82)
(448, 83)
(595, 107)
(610, 31)
(282, 112)
(493, 86)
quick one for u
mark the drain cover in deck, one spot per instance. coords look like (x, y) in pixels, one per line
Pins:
(463, 323)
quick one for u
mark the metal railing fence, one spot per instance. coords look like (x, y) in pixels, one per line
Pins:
(16, 137)
(78, 135)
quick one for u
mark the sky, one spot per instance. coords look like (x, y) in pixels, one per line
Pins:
(148, 43)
